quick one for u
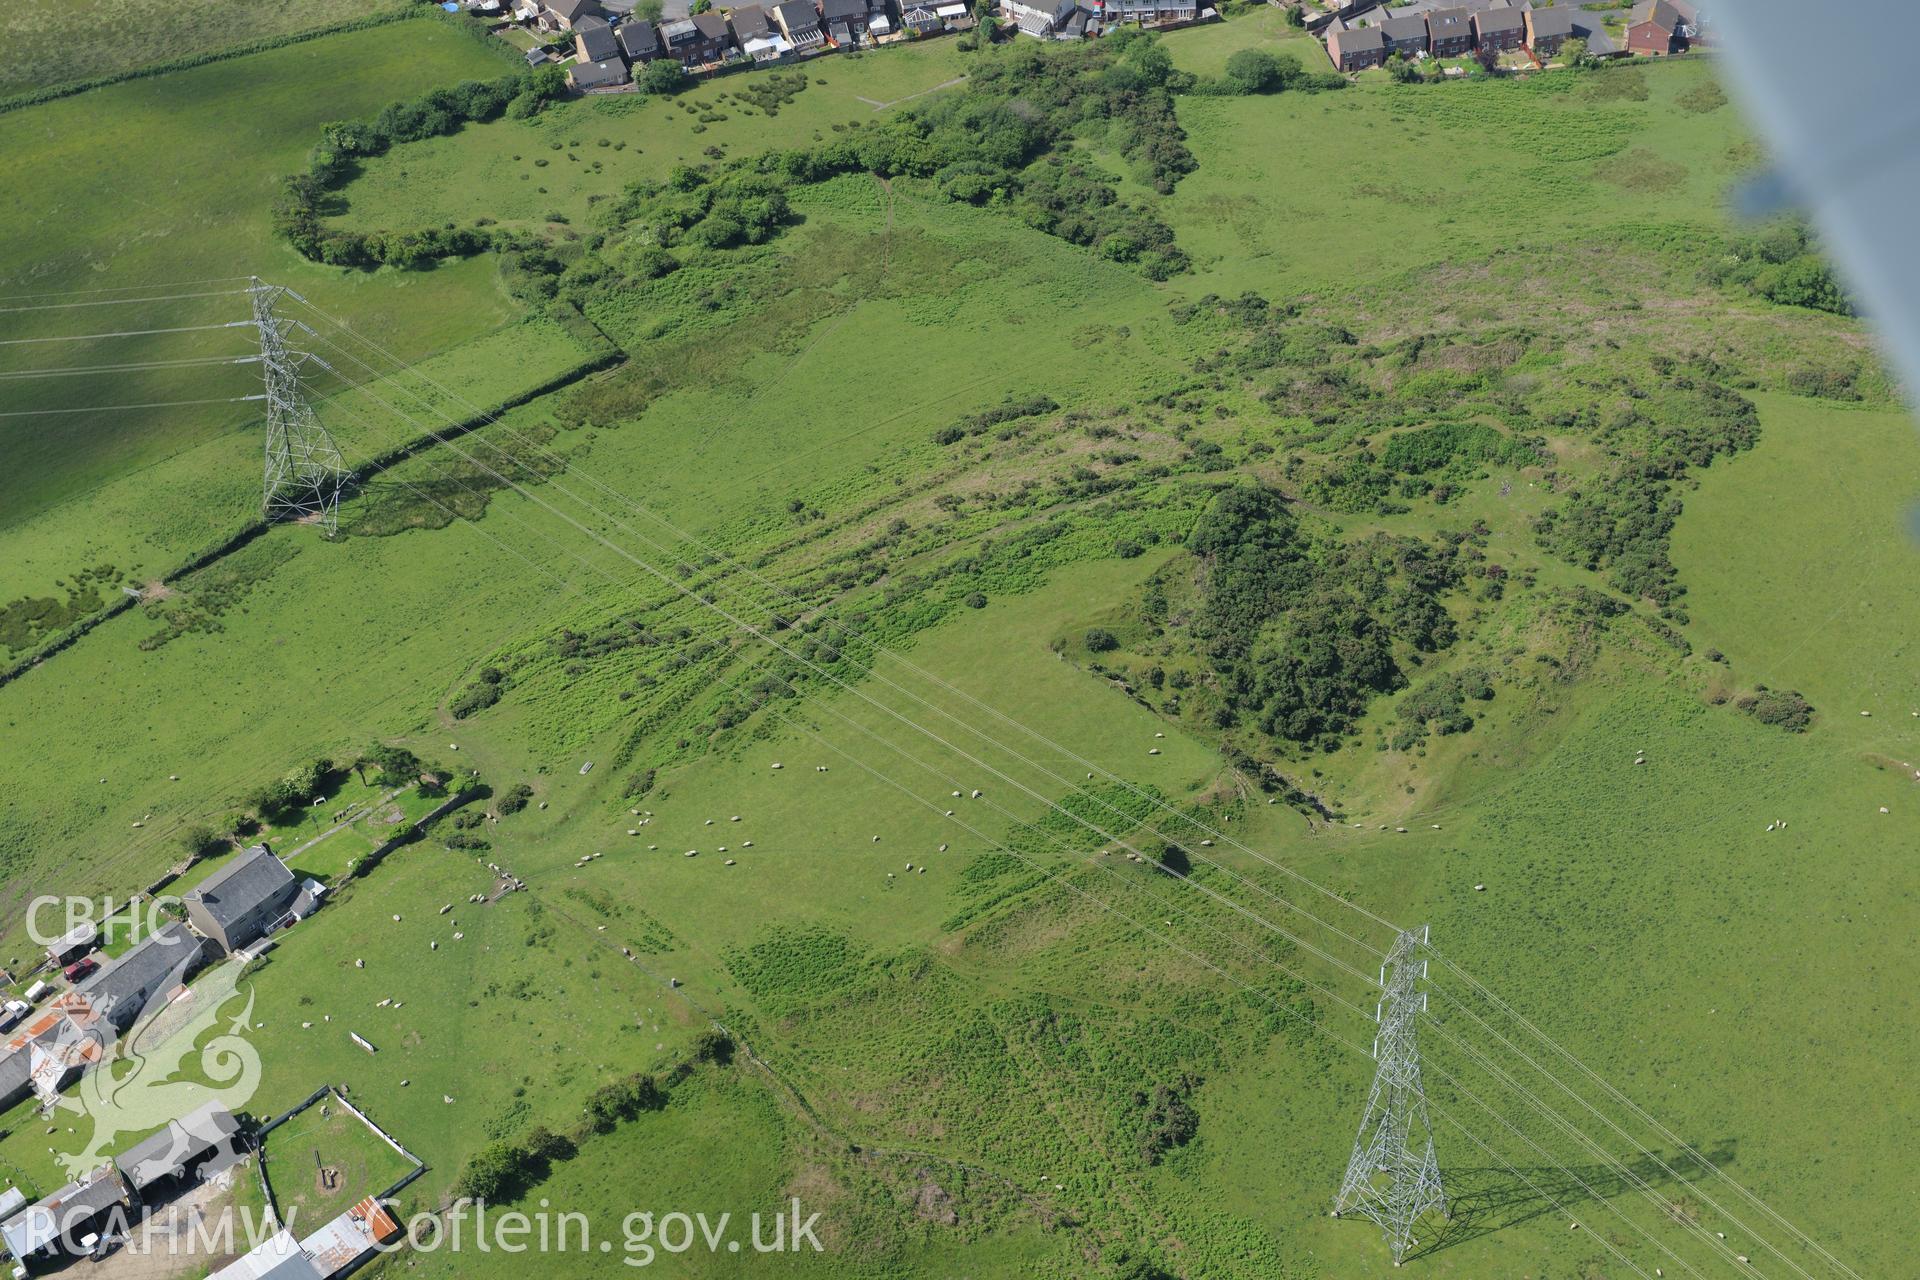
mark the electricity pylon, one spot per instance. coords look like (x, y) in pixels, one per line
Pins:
(304, 468)
(1393, 1176)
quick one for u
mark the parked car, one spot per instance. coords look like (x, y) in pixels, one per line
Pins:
(80, 968)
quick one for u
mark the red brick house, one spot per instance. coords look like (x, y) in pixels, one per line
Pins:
(1449, 32)
(1405, 36)
(1502, 29)
(1654, 28)
(1357, 48)
(1547, 30)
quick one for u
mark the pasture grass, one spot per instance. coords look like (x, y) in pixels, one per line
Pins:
(1324, 191)
(982, 1016)
(187, 204)
(324, 1161)
(88, 39)
(594, 146)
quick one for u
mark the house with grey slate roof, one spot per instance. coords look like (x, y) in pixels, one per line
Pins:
(245, 899)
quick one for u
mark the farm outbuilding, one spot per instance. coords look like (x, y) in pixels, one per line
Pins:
(280, 1257)
(38, 1234)
(203, 1135)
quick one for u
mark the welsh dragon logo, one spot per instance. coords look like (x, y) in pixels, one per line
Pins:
(176, 1057)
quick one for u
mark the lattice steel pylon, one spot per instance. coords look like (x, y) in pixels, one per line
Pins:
(304, 471)
(1393, 1176)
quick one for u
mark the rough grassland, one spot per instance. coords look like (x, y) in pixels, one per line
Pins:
(1338, 188)
(493, 172)
(977, 1029)
(122, 196)
(77, 40)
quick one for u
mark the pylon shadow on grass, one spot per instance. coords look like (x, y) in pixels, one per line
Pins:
(1486, 1199)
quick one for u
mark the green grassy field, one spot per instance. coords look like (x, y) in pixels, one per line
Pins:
(86, 41)
(522, 171)
(184, 211)
(973, 1019)
(326, 1160)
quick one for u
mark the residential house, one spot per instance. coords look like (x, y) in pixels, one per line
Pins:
(16, 1077)
(594, 41)
(184, 1147)
(1357, 48)
(1547, 30)
(1406, 36)
(716, 37)
(799, 21)
(879, 20)
(921, 19)
(40, 1233)
(698, 41)
(758, 38)
(610, 74)
(1501, 29)
(1449, 32)
(560, 15)
(1654, 27)
(57, 1061)
(1149, 13)
(639, 40)
(152, 970)
(1038, 17)
(50, 1048)
(845, 20)
(244, 900)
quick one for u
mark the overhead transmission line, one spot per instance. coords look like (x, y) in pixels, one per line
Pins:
(696, 540)
(123, 302)
(879, 651)
(503, 479)
(140, 366)
(125, 333)
(117, 408)
(650, 569)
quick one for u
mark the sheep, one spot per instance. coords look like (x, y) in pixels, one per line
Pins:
(1480, 888)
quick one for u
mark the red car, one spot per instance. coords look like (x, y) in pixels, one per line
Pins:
(80, 968)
